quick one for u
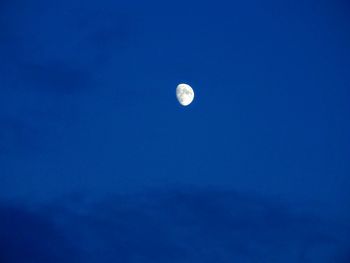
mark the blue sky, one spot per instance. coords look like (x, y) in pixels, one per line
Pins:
(98, 158)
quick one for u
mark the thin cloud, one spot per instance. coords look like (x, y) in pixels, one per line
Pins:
(191, 226)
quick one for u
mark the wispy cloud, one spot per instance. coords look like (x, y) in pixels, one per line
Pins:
(175, 226)
(51, 57)
(30, 237)
(59, 47)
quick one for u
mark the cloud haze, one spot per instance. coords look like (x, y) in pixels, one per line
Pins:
(88, 106)
(177, 226)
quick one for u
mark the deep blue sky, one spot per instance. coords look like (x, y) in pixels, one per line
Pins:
(99, 163)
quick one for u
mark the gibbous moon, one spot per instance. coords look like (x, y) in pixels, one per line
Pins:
(184, 94)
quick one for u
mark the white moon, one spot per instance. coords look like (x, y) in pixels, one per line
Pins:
(184, 94)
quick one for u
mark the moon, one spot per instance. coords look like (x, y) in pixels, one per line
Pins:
(184, 94)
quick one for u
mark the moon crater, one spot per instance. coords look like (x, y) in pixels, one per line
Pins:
(184, 94)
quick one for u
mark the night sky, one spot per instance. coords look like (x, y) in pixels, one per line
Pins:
(100, 163)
